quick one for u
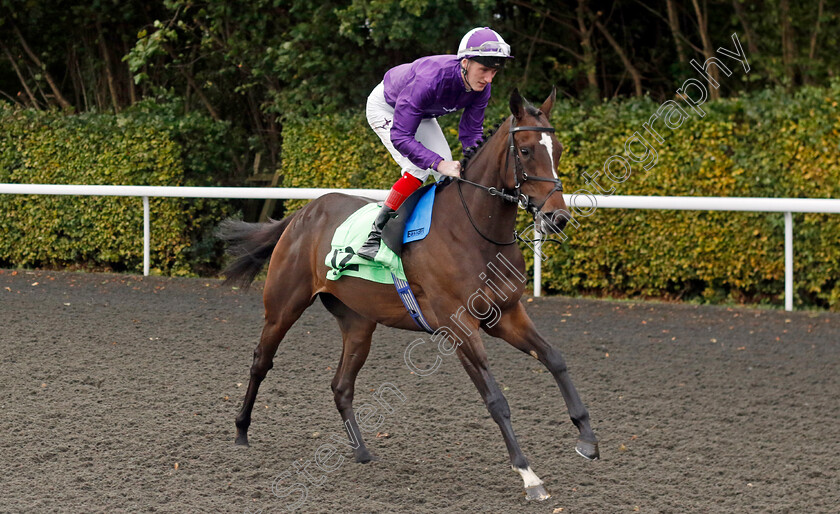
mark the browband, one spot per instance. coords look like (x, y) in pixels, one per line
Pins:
(535, 129)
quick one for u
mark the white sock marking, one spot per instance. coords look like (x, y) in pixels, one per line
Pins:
(529, 477)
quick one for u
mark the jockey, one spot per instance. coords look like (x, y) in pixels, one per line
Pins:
(403, 107)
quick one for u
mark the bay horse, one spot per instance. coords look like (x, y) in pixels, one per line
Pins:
(473, 224)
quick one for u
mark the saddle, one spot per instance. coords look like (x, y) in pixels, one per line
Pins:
(413, 220)
(411, 223)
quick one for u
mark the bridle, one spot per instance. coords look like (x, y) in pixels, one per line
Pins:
(515, 196)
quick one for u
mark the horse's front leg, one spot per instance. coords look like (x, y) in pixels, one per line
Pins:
(474, 359)
(516, 327)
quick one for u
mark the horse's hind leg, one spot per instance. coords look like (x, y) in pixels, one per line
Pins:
(516, 328)
(281, 312)
(356, 333)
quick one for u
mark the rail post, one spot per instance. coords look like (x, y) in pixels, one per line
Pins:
(146, 236)
(537, 262)
(788, 261)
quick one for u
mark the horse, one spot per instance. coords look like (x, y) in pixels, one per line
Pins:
(474, 224)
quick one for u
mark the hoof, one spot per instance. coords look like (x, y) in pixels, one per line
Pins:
(536, 492)
(588, 450)
(366, 457)
(242, 440)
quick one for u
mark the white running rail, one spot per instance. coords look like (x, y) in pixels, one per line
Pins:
(787, 206)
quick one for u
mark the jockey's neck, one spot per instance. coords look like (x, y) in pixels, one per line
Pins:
(464, 76)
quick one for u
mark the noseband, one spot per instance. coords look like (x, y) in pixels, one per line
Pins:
(515, 196)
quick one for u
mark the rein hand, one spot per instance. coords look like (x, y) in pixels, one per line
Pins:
(450, 168)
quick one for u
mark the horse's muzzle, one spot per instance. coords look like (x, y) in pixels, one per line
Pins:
(554, 222)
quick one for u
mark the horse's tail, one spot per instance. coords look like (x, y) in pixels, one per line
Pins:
(251, 244)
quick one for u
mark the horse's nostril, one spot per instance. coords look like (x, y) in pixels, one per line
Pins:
(554, 223)
(560, 220)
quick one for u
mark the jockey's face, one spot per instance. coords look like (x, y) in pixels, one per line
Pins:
(478, 75)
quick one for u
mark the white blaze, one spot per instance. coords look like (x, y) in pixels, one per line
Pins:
(545, 140)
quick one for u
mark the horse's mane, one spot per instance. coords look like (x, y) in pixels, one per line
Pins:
(471, 151)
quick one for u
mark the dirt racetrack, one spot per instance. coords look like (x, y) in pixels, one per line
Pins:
(119, 394)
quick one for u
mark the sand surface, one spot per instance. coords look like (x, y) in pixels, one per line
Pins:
(118, 394)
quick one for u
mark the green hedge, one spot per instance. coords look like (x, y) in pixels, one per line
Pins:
(335, 151)
(147, 145)
(772, 144)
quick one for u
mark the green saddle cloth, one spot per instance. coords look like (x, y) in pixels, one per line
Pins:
(351, 235)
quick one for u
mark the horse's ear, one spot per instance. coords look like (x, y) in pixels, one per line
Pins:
(549, 102)
(516, 104)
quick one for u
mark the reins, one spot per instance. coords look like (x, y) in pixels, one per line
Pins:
(493, 192)
(523, 201)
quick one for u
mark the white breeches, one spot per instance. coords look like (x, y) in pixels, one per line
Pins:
(380, 116)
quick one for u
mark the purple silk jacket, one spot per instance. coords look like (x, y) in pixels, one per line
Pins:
(427, 88)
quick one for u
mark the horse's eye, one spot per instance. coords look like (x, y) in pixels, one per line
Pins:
(524, 152)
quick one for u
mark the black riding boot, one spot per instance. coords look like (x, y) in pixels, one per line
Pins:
(371, 246)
